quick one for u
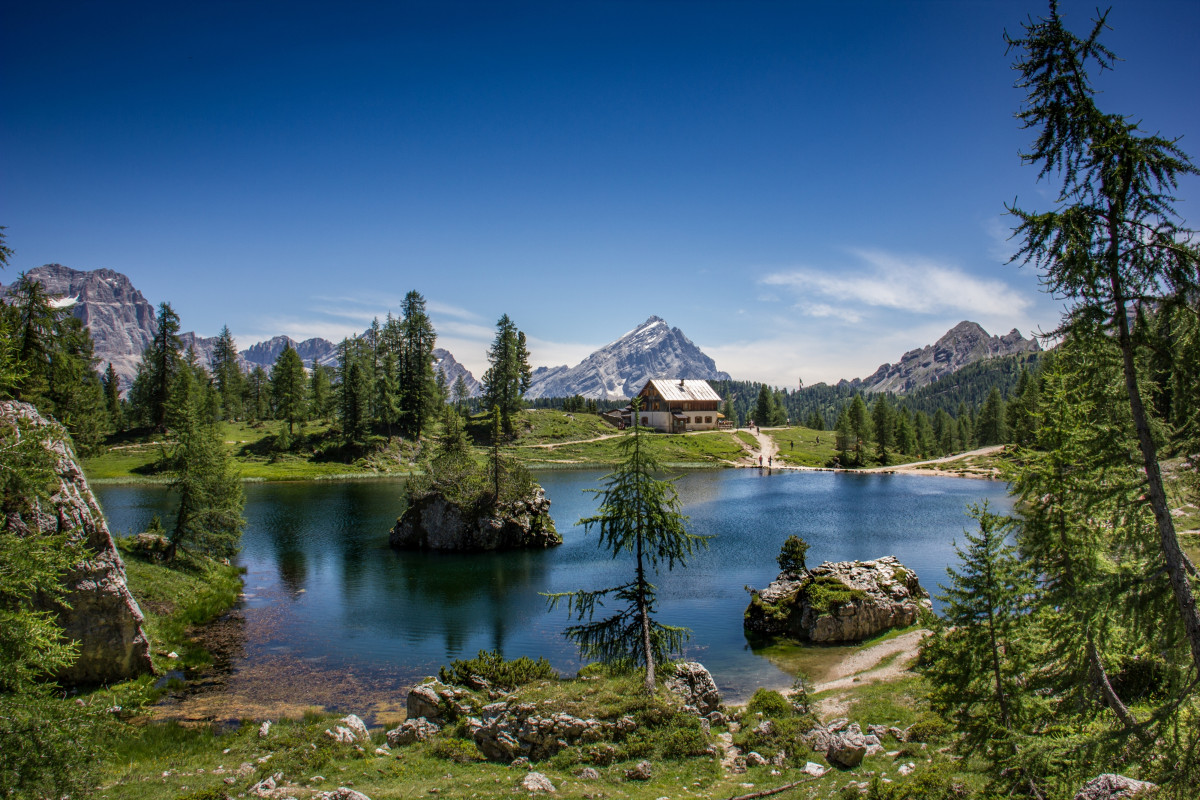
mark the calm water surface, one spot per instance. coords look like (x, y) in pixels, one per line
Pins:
(333, 615)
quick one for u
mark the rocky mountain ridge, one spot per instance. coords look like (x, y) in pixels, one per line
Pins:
(620, 368)
(965, 343)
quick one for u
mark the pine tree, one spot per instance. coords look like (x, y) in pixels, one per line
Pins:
(227, 374)
(731, 412)
(1113, 238)
(256, 395)
(860, 427)
(156, 373)
(320, 392)
(978, 659)
(508, 377)
(289, 388)
(416, 366)
(354, 393)
(884, 423)
(112, 398)
(991, 428)
(460, 394)
(815, 421)
(638, 514)
(844, 439)
(209, 516)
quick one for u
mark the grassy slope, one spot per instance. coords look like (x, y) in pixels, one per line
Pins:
(169, 761)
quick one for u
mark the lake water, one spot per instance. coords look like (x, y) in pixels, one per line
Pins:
(333, 617)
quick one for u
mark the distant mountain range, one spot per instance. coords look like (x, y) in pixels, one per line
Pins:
(965, 343)
(122, 324)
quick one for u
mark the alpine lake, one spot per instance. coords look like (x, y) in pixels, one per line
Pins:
(332, 617)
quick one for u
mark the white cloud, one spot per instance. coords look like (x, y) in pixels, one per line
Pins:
(912, 284)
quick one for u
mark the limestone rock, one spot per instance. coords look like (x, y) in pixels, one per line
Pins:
(1114, 787)
(814, 769)
(847, 748)
(588, 774)
(695, 685)
(341, 793)
(102, 616)
(641, 772)
(537, 782)
(434, 523)
(412, 730)
(879, 595)
(350, 731)
(514, 731)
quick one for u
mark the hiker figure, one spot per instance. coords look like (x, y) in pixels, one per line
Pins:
(760, 460)
(771, 461)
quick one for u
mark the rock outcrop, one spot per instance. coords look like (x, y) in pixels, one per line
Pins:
(434, 523)
(1115, 787)
(102, 615)
(846, 601)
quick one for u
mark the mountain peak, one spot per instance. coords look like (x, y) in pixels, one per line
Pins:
(619, 369)
(965, 343)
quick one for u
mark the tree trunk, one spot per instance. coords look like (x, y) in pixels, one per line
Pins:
(1172, 553)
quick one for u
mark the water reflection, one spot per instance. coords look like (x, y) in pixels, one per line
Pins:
(329, 598)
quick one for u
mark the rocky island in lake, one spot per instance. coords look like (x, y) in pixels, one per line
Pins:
(459, 504)
(845, 601)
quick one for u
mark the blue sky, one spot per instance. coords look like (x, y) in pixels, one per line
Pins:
(807, 190)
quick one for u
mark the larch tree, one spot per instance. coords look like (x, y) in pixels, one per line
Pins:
(639, 515)
(1113, 241)
(160, 364)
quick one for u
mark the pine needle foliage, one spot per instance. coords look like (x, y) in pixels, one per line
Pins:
(639, 514)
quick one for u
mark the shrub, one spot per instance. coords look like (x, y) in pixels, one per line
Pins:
(492, 667)
(929, 727)
(770, 703)
(825, 592)
(457, 750)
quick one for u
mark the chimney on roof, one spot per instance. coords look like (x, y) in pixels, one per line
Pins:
(681, 383)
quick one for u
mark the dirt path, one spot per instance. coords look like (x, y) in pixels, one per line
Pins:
(865, 667)
(920, 467)
(574, 441)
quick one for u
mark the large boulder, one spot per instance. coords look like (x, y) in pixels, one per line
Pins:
(695, 686)
(844, 601)
(101, 615)
(434, 523)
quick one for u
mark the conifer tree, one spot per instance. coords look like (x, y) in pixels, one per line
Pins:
(256, 395)
(354, 393)
(1114, 238)
(320, 392)
(640, 515)
(209, 516)
(979, 656)
(815, 421)
(883, 420)
(860, 427)
(418, 340)
(508, 377)
(227, 374)
(289, 388)
(156, 373)
(991, 428)
(112, 398)
(459, 394)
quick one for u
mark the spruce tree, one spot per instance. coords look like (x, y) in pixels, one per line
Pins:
(112, 398)
(991, 428)
(883, 418)
(508, 375)
(209, 515)
(418, 340)
(640, 515)
(227, 374)
(156, 373)
(860, 427)
(289, 388)
(1113, 238)
(320, 392)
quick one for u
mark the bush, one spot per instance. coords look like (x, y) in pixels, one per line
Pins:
(929, 727)
(770, 703)
(492, 667)
(457, 750)
(48, 747)
(825, 592)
